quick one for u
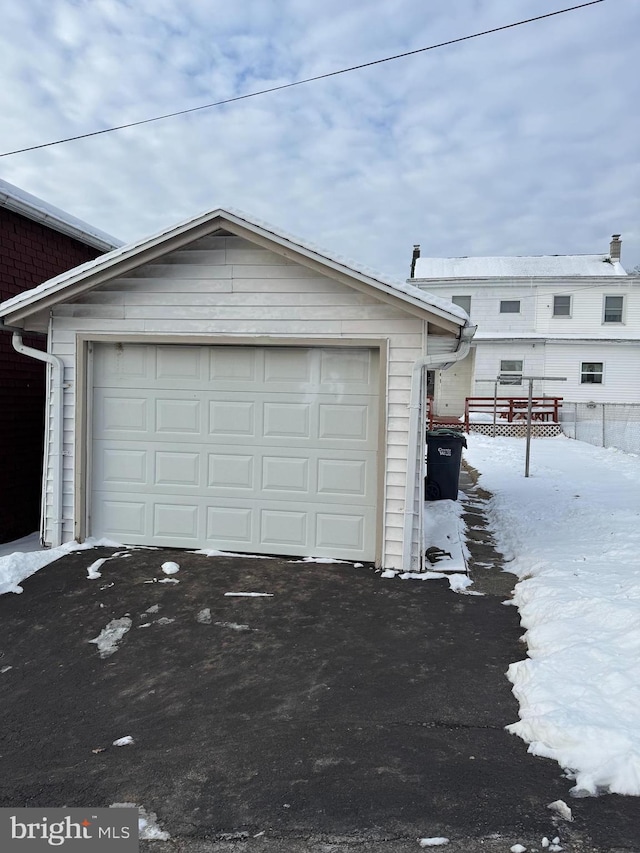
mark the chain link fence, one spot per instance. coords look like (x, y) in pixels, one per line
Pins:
(603, 424)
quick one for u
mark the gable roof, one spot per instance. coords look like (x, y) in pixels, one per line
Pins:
(126, 258)
(34, 208)
(518, 267)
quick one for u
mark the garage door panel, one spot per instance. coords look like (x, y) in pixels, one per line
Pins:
(177, 520)
(123, 364)
(121, 415)
(233, 365)
(343, 477)
(339, 531)
(229, 526)
(283, 529)
(281, 474)
(172, 468)
(122, 518)
(281, 367)
(232, 417)
(352, 369)
(230, 471)
(319, 475)
(119, 466)
(346, 422)
(179, 363)
(286, 420)
(198, 450)
(178, 416)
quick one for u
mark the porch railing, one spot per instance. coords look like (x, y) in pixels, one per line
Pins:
(507, 409)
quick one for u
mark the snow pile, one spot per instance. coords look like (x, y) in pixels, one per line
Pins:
(561, 809)
(235, 626)
(93, 571)
(249, 594)
(320, 560)
(444, 529)
(108, 639)
(572, 532)
(444, 539)
(436, 841)
(170, 568)
(148, 828)
(18, 566)
(27, 543)
(213, 552)
(457, 582)
(127, 740)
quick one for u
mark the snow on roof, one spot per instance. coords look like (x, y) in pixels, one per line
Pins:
(38, 210)
(405, 289)
(537, 265)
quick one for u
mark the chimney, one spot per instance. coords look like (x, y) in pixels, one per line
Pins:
(614, 248)
(416, 255)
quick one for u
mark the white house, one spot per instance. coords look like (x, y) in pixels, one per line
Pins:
(224, 385)
(573, 316)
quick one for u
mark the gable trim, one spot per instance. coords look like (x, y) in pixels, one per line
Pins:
(118, 263)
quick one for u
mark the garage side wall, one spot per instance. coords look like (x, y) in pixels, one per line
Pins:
(229, 286)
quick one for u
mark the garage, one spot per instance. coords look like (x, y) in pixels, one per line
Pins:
(224, 386)
(270, 450)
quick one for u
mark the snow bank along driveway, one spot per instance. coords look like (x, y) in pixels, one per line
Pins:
(572, 533)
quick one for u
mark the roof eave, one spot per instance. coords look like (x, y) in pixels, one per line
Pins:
(89, 236)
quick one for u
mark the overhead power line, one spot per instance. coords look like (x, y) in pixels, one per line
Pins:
(301, 82)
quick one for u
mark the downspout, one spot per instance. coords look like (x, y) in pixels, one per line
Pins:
(415, 407)
(55, 453)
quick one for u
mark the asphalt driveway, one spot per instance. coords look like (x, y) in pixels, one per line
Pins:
(338, 709)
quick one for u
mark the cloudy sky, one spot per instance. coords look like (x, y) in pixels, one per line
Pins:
(525, 141)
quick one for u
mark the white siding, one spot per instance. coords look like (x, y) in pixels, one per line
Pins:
(617, 345)
(485, 303)
(587, 310)
(487, 366)
(452, 386)
(621, 372)
(227, 286)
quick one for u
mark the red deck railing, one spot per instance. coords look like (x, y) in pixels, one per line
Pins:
(509, 409)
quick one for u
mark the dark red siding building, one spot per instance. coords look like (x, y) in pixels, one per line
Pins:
(37, 242)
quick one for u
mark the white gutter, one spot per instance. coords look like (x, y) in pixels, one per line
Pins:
(415, 407)
(55, 451)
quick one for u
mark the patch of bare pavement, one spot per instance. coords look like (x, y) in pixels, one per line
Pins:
(364, 843)
(338, 712)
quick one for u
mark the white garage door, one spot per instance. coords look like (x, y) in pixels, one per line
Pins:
(258, 449)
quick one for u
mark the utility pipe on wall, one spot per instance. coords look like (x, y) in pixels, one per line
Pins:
(55, 449)
(415, 407)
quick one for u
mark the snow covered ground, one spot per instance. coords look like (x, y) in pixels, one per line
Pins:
(572, 534)
(24, 557)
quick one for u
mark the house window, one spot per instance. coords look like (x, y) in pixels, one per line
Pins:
(510, 373)
(591, 372)
(613, 309)
(509, 306)
(561, 306)
(463, 302)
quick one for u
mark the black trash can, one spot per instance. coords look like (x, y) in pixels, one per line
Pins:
(444, 453)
